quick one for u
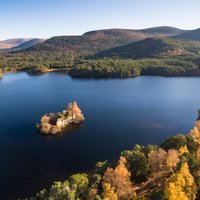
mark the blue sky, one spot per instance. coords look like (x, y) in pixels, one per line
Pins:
(46, 18)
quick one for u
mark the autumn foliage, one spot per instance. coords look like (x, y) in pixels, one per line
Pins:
(170, 171)
(119, 180)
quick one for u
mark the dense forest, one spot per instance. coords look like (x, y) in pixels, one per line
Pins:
(129, 68)
(151, 56)
(153, 48)
(104, 67)
(41, 62)
(170, 171)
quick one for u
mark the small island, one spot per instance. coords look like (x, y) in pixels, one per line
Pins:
(54, 123)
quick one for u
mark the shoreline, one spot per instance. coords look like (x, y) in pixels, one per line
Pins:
(98, 77)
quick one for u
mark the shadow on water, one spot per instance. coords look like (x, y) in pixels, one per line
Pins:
(60, 71)
(69, 131)
(36, 73)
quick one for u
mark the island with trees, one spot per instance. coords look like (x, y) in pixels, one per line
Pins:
(54, 123)
(169, 171)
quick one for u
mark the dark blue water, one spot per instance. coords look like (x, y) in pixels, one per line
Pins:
(119, 113)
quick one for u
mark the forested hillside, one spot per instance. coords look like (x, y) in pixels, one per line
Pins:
(153, 48)
(151, 56)
(110, 53)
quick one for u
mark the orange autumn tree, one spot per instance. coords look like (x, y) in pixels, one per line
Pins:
(73, 107)
(119, 180)
(161, 160)
(195, 133)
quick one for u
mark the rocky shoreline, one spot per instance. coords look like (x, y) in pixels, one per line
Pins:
(53, 123)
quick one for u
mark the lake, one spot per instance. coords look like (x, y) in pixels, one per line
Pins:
(119, 113)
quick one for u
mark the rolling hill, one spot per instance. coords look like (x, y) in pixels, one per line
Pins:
(164, 31)
(190, 35)
(27, 44)
(10, 43)
(99, 40)
(147, 48)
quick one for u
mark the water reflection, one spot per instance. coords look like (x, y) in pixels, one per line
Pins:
(10, 77)
(69, 130)
(60, 71)
(36, 73)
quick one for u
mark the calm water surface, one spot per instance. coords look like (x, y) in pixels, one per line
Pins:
(119, 113)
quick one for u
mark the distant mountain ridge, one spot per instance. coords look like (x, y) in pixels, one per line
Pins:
(19, 43)
(90, 42)
(100, 40)
(10, 43)
(27, 44)
(164, 30)
(189, 35)
(156, 31)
